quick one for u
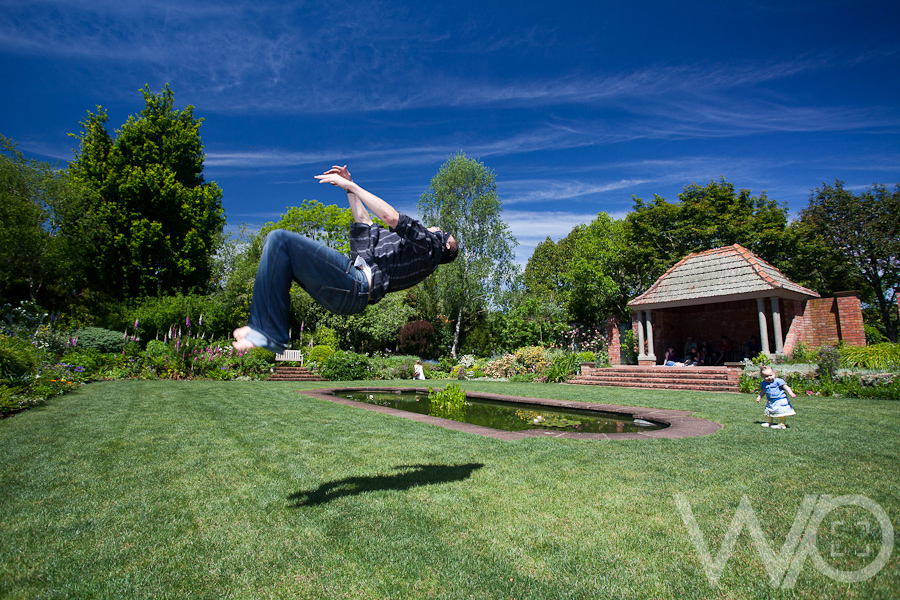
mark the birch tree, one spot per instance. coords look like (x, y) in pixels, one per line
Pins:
(463, 201)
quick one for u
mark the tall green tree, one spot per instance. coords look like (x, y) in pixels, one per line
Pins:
(865, 229)
(162, 220)
(596, 273)
(544, 274)
(706, 217)
(327, 224)
(37, 202)
(463, 201)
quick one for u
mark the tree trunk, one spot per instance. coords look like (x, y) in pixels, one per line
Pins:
(454, 349)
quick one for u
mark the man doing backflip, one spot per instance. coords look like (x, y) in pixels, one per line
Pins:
(381, 261)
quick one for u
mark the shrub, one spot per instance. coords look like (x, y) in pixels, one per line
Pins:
(829, 361)
(404, 370)
(588, 356)
(879, 356)
(11, 401)
(502, 367)
(761, 359)
(802, 354)
(417, 338)
(90, 361)
(326, 336)
(345, 366)
(874, 335)
(101, 340)
(193, 315)
(320, 353)
(446, 364)
(559, 370)
(18, 359)
(533, 358)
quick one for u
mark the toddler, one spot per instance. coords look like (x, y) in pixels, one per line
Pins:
(776, 392)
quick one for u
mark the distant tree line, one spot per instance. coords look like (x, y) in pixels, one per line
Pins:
(131, 231)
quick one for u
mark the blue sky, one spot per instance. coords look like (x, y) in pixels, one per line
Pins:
(575, 106)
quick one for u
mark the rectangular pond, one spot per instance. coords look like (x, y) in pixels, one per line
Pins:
(506, 416)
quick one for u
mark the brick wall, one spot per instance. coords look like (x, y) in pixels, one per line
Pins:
(829, 320)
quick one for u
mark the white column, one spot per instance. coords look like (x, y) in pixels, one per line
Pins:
(640, 324)
(650, 352)
(763, 326)
(776, 325)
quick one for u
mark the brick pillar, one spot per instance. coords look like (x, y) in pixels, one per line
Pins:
(614, 341)
(850, 319)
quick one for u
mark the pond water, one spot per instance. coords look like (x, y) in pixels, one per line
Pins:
(507, 416)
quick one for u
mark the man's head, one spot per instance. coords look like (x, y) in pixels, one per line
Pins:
(450, 247)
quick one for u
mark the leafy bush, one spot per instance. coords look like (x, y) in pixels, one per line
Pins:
(885, 356)
(345, 366)
(878, 387)
(629, 348)
(829, 361)
(320, 353)
(505, 366)
(761, 359)
(417, 338)
(11, 401)
(192, 315)
(587, 357)
(446, 364)
(802, 354)
(533, 358)
(562, 366)
(326, 336)
(18, 359)
(874, 335)
(101, 340)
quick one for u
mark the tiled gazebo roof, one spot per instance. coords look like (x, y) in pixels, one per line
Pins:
(719, 275)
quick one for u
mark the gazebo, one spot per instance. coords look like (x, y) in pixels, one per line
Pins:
(730, 292)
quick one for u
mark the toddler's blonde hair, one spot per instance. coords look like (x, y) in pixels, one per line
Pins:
(766, 370)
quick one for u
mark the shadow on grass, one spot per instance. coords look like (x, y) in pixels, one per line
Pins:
(412, 476)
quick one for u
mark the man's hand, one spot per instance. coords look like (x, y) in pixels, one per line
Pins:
(334, 178)
(338, 170)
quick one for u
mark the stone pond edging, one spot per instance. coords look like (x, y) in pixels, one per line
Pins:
(680, 423)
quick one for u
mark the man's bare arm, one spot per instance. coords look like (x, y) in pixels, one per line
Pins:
(384, 211)
(360, 214)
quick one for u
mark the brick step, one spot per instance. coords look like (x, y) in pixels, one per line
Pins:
(686, 380)
(658, 369)
(719, 379)
(295, 374)
(659, 386)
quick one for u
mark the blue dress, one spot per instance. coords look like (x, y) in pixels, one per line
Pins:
(777, 403)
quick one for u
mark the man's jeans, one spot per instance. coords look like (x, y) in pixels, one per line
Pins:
(326, 275)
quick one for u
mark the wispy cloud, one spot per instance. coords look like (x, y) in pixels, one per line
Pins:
(544, 190)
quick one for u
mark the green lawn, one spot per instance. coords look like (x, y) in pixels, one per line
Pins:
(135, 489)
